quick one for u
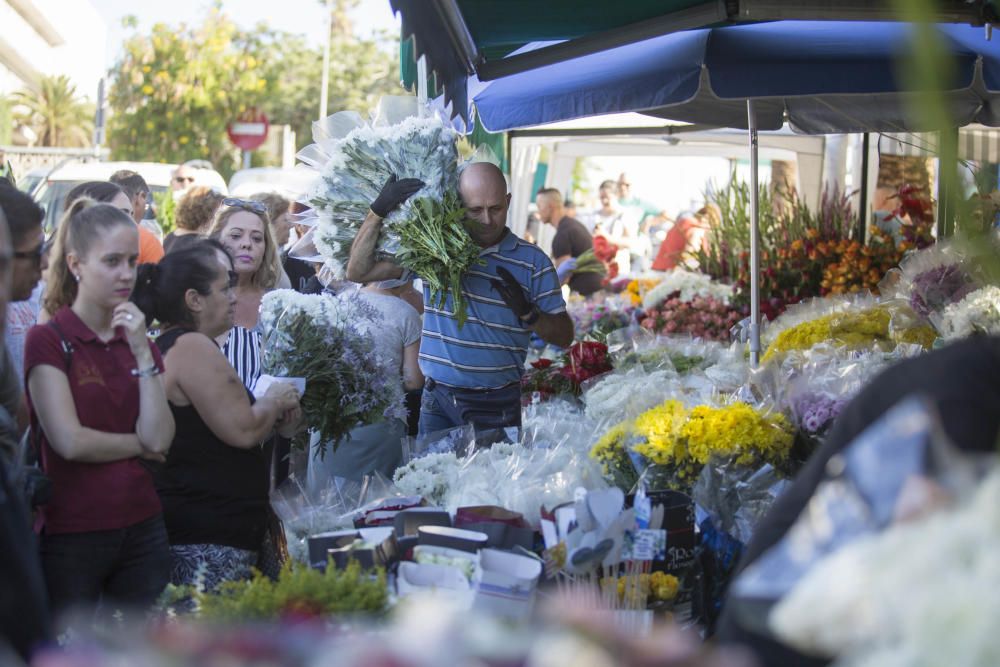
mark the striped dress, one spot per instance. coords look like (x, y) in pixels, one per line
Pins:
(243, 350)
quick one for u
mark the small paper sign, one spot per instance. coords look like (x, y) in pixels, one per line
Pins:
(645, 545)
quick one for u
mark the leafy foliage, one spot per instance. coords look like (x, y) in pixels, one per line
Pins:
(56, 113)
(299, 592)
(176, 88)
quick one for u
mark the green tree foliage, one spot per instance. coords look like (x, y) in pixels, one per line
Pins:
(175, 90)
(56, 113)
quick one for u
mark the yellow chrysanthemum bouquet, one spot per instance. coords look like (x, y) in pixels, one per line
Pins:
(855, 322)
(677, 442)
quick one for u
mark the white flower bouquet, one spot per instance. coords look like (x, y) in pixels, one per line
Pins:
(317, 337)
(354, 158)
(689, 284)
(977, 313)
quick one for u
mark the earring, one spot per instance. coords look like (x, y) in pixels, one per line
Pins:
(77, 277)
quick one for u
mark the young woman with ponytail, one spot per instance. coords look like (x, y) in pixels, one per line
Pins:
(214, 484)
(98, 407)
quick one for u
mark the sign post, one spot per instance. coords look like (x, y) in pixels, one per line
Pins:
(248, 132)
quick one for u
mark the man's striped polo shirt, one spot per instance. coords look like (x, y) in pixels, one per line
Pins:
(488, 352)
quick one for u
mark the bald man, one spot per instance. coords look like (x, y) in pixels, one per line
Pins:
(474, 373)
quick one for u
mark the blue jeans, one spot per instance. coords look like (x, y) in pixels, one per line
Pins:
(125, 568)
(443, 408)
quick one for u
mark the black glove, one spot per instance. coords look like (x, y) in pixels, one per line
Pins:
(394, 193)
(512, 294)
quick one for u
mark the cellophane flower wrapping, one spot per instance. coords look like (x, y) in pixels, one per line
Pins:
(544, 469)
(596, 320)
(547, 378)
(355, 158)
(920, 593)
(730, 500)
(872, 487)
(325, 340)
(978, 313)
(854, 322)
(305, 511)
(930, 279)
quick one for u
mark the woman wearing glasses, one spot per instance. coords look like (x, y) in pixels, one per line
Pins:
(243, 229)
(214, 484)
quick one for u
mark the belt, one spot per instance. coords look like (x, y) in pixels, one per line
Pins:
(431, 384)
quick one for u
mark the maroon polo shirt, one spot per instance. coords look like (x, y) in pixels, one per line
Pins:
(92, 496)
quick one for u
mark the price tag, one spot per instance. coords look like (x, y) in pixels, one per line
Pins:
(645, 545)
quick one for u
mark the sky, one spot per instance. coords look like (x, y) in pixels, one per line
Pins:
(297, 16)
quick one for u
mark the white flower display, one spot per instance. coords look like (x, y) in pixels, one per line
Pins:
(517, 477)
(690, 284)
(919, 594)
(977, 313)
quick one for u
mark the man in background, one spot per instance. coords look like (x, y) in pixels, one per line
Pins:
(135, 188)
(571, 240)
(24, 618)
(27, 263)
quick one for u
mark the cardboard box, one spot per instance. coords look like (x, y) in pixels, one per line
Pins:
(505, 584)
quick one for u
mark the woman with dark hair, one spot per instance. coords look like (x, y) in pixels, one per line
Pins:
(214, 485)
(97, 408)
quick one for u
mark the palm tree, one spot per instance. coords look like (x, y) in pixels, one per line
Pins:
(56, 113)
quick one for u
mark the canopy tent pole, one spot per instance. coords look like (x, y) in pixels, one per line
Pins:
(754, 239)
(863, 207)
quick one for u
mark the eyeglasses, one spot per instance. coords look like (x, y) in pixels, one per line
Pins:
(33, 255)
(245, 204)
(184, 179)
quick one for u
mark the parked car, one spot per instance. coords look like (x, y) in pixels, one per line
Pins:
(52, 193)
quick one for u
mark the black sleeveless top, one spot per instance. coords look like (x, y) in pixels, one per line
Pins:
(212, 493)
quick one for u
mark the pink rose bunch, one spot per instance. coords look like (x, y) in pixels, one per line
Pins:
(704, 317)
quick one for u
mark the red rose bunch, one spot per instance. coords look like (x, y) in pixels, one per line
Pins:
(584, 361)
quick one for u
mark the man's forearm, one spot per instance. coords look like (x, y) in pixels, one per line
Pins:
(554, 328)
(362, 266)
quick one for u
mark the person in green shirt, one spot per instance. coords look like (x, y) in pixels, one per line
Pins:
(651, 216)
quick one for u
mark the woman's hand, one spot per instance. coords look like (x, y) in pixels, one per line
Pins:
(284, 395)
(128, 316)
(288, 424)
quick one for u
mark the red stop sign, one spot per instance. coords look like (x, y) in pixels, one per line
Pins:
(249, 130)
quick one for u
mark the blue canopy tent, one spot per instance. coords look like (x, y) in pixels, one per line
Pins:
(820, 77)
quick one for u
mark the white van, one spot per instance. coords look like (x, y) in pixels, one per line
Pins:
(51, 194)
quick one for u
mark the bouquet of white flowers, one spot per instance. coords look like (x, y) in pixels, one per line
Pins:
(317, 337)
(425, 234)
(977, 313)
(689, 284)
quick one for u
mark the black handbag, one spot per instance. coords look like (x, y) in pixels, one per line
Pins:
(35, 484)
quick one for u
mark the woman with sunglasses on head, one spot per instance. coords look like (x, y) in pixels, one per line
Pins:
(98, 408)
(214, 484)
(243, 229)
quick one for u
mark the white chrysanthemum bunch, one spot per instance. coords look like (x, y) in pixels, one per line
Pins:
(690, 284)
(977, 313)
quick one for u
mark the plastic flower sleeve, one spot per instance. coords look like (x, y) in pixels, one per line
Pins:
(931, 279)
(860, 496)
(730, 500)
(459, 441)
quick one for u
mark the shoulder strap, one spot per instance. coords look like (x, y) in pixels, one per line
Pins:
(34, 428)
(67, 347)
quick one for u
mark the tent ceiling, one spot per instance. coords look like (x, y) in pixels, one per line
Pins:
(465, 37)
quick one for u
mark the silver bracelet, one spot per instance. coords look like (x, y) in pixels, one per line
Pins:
(147, 373)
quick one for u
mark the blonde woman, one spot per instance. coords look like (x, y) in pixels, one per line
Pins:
(243, 228)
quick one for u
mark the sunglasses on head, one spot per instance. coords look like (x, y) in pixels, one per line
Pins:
(245, 204)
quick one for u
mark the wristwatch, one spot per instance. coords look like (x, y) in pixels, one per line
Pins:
(532, 315)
